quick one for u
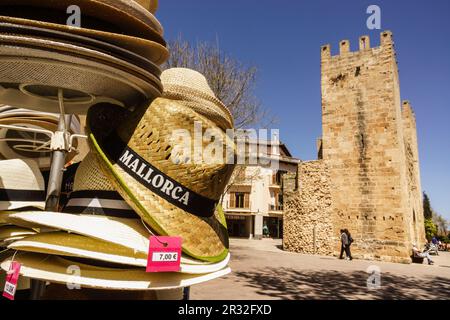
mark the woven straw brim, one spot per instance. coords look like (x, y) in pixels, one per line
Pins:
(14, 232)
(54, 269)
(135, 9)
(20, 65)
(81, 52)
(23, 283)
(65, 244)
(150, 5)
(117, 19)
(203, 238)
(206, 108)
(144, 47)
(89, 43)
(129, 233)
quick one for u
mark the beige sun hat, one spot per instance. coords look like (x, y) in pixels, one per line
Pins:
(119, 235)
(68, 48)
(144, 47)
(73, 245)
(173, 196)
(29, 78)
(150, 5)
(110, 15)
(9, 234)
(21, 185)
(54, 269)
(191, 89)
(159, 54)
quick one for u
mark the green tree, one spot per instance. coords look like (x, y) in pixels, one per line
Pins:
(427, 211)
(430, 228)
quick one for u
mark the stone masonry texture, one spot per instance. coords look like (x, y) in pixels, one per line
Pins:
(307, 225)
(370, 159)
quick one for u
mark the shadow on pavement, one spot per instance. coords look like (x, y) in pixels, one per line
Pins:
(286, 283)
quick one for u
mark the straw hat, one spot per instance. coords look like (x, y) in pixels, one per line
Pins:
(54, 269)
(109, 15)
(174, 198)
(192, 89)
(143, 47)
(68, 244)
(23, 145)
(119, 235)
(21, 185)
(150, 5)
(82, 52)
(160, 52)
(13, 233)
(29, 78)
(22, 284)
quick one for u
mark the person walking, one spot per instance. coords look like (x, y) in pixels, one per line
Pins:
(347, 247)
(344, 243)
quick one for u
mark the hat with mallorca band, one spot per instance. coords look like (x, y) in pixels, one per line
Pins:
(191, 89)
(174, 193)
(119, 237)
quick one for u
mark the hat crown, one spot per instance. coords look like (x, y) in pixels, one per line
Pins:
(186, 78)
(89, 176)
(192, 89)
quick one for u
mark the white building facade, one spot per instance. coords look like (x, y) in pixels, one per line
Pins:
(253, 203)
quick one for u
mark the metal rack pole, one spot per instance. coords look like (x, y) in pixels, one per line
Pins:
(54, 187)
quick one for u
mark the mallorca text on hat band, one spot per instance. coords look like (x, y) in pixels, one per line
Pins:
(157, 181)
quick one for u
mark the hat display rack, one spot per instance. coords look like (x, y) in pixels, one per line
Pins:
(131, 183)
(49, 66)
(60, 144)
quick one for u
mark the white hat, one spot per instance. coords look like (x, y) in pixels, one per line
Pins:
(58, 270)
(21, 185)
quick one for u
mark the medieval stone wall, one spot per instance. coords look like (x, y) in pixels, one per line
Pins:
(369, 158)
(413, 174)
(307, 225)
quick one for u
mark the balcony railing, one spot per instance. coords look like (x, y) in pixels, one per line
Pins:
(275, 207)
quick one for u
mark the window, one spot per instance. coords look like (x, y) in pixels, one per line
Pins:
(240, 200)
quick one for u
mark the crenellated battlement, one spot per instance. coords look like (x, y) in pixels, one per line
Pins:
(386, 40)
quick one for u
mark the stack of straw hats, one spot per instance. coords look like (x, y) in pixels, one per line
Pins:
(111, 57)
(133, 184)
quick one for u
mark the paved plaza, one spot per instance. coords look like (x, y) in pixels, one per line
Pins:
(261, 270)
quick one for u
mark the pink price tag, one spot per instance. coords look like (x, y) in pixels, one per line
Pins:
(12, 277)
(164, 254)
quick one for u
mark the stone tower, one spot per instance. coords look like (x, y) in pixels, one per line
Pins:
(369, 145)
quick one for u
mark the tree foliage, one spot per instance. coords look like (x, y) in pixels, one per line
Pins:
(427, 211)
(231, 81)
(430, 228)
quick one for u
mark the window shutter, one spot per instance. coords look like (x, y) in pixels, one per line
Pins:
(232, 200)
(247, 200)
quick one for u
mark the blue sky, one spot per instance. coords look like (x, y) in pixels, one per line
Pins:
(282, 38)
